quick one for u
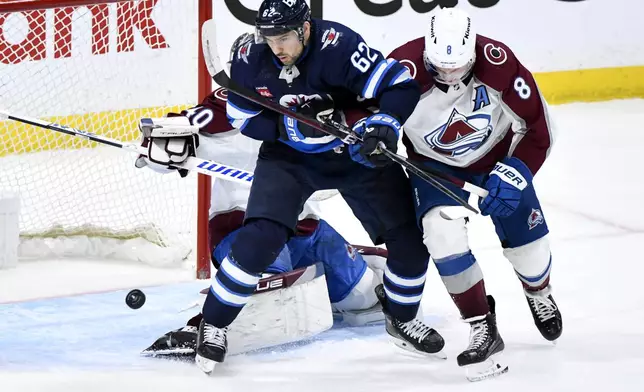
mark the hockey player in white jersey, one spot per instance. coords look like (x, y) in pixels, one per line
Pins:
(481, 118)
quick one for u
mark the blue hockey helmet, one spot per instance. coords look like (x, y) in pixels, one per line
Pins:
(277, 17)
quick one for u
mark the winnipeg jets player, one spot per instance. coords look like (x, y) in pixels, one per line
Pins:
(290, 168)
(482, 118)
(350, 281)
(352, 272)
(309, 64)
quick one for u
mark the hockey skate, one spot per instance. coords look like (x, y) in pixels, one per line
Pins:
(480, 359)
(545, 313)
(177, 344)
(414, 335)
(212, 346)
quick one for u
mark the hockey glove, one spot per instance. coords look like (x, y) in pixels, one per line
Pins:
(380, 127)
(291, 129)
(169, 141)
(506, 182)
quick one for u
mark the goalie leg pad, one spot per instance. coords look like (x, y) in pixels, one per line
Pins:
(286, 315)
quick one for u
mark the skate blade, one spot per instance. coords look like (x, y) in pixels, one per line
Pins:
(205, 365)
(410, 348)
(168, 352)
(487, 369)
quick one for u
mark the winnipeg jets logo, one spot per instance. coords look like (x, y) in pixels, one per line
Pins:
(330, 37)
(243, 51)
(299, 100)
(460, 134)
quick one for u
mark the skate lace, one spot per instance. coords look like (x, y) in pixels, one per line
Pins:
(544, 308)
(416, 329)
(478, 335)
(214, 336)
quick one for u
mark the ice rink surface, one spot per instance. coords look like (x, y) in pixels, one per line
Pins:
(55, 337)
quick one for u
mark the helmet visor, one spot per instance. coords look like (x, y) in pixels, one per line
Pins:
(451, 76)
(273, 35)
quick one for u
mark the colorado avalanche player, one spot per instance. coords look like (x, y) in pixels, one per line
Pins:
(317, 66)
(482, 118)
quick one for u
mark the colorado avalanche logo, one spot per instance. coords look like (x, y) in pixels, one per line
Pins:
(221, 93)
(460, 134)
(535, 218)
(351, 252)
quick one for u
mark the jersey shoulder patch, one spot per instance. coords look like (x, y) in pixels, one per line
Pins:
(333, 36)
(496, 64)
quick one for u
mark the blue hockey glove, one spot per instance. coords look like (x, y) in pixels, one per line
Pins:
(379, 127)
(506, 182)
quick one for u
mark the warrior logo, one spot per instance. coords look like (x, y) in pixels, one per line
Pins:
(461, 134)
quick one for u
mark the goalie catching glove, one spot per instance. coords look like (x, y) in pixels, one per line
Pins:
(169, 141)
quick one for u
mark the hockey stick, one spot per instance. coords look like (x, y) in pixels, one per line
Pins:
(209, 43)
(203, 166)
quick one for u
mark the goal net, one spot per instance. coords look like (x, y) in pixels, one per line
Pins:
(98, 66)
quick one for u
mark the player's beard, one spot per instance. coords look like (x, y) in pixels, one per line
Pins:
(288, 60)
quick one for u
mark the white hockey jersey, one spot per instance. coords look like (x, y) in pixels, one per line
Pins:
(497, 111)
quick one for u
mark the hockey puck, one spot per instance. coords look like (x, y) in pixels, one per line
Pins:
(135, 299)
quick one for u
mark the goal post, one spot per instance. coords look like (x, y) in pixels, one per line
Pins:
(100, 65)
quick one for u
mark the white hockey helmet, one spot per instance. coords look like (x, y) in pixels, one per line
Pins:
(450, 45)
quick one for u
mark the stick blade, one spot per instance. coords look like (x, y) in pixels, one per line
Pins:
(209, 47)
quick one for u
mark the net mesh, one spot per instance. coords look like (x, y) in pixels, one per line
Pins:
(98, 68)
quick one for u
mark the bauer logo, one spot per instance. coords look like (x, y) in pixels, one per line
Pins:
(25, 35)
